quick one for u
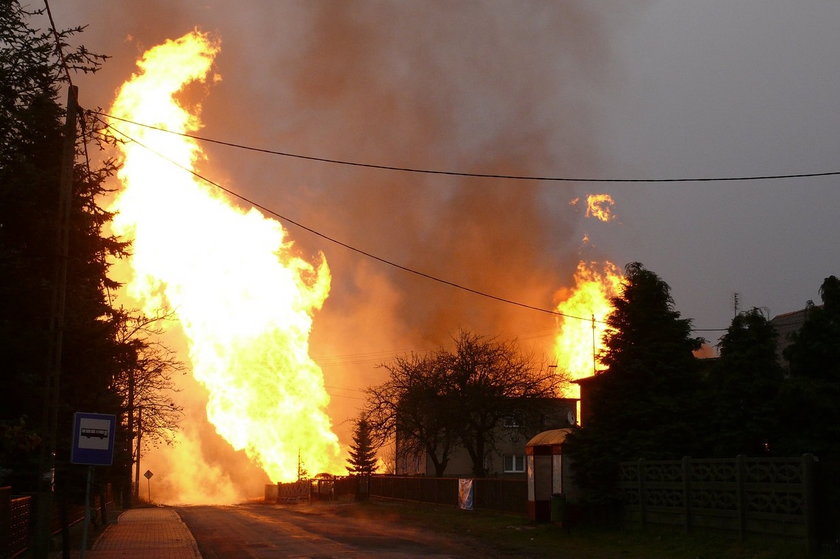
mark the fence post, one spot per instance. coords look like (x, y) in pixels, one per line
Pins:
(686, 473)
(642, 497)
(740, 495)
(809, 501)
(5, 521)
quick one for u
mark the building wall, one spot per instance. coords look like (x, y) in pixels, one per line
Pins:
(509, 439)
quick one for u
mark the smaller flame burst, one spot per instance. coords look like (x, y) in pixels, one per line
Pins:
(577, 345)
(600, 207)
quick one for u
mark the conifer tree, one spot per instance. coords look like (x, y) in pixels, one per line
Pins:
(31, 138)
(809, 399)
(644, 405)
(362, 459)
(743, 387)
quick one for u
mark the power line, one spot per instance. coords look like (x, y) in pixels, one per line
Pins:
(742, 178)
(341, 243)
(338, 242)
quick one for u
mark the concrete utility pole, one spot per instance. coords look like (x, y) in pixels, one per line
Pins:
(137, 464)
(52, 384)
(594, 349)
(132, 500)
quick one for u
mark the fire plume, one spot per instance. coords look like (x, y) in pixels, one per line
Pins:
(242, 297)
(580, 336)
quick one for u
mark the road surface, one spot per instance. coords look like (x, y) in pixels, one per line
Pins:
(257, 531)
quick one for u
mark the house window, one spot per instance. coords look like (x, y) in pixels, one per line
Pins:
(510, 422)
(514, 463)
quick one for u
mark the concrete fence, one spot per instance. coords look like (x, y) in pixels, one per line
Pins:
(319, 489)
(758, 495)
(15, 523)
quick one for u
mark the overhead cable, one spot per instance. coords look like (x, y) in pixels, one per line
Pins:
(345, 245)
(548, 178)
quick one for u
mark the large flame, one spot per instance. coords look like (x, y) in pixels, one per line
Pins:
(244, 300)
(588, 303)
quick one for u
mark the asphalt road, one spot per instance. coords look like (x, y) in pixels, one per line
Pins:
(266, 531)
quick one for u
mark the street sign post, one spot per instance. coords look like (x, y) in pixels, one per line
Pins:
(93, 439)
(93, 445)
(148, 475)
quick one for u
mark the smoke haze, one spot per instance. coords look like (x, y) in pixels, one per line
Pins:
(545, 88)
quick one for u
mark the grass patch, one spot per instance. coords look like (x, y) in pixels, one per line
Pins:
(509, 535)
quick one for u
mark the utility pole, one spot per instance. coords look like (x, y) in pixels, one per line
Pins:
(52, 384)
(131, 498)
(594, 351)
(137, 465)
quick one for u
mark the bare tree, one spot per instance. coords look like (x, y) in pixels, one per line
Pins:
(145, 383)
(432, 402)
(491, 380)
(412, 408)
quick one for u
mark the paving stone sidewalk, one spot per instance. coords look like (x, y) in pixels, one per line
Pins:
(155, 532)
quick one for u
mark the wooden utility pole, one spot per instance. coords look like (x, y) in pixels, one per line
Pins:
(52, 384)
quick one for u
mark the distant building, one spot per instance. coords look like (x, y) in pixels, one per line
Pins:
(786, 325)
(505, 455)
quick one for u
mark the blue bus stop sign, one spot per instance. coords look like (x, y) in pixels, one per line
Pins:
(93, 439)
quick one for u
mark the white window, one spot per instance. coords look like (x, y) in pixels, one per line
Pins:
(514, 463)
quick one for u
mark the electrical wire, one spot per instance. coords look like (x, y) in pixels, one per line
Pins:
(338, 242)
(743, 178)
(345, 245)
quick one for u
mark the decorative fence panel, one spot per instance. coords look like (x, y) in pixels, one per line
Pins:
(295, 492)
(16, 522)
(20, 525)
(761, 495)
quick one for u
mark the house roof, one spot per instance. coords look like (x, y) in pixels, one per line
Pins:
(547, 438)
(587, 380)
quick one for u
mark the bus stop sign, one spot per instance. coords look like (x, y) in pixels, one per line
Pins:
(93, 439)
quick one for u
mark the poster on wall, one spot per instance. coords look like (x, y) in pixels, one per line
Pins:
(465, 494)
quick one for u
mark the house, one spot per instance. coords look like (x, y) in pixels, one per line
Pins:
(588, 392)
(505, 456)
(786, 325)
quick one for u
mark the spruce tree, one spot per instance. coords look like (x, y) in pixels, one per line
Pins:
(362, 459)
(743, 387)
(32, 78)
(644, 404)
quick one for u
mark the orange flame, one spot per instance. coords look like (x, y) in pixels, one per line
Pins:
(580, 339)
(600, 206)
(244, 300)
